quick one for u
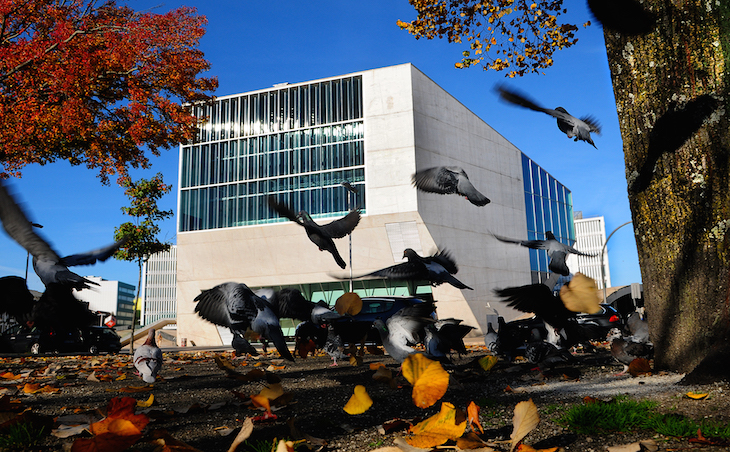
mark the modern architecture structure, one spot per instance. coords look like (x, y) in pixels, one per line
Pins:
(114, 297)
(590, 236)
(159, 287)
(300, 142)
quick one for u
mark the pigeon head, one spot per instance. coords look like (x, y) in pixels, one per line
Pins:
(549, 235)
(304, 215)
(409, 253)
(380, 326)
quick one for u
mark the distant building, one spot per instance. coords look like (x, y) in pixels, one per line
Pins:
(373, 129)
(113, 297)
(158, 287)
(590, 236)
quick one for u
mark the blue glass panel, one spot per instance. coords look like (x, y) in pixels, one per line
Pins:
(534, 264)
(539, 225)
(535, 171)
(529, 212)
(547, 217)
(526, 179)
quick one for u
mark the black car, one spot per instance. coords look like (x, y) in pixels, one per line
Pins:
(36, 341)
(352, 329)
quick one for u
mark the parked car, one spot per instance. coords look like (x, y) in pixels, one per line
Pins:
(36, 341)
(353, 328)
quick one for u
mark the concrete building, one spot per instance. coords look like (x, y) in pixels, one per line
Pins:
(590, 236)
(159, 287)
(113, 297)
(373, 129)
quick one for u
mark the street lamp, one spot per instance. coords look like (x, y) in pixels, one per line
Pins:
(603, 264)
(27, 257)
(350, 191)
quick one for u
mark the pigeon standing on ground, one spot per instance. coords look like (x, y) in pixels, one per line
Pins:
(436, 269)
(579, 129)
(556, 250)
(626, 348)
(235, 306)
(148, 358)
(334, 346)
(320, 235)
(491, 339)
(443, 336)
(447, 180)
(50, 267)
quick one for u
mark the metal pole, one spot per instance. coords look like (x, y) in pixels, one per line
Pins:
(603, 265)
(350, 193)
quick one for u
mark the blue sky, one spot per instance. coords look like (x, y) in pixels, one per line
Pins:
(254, 45)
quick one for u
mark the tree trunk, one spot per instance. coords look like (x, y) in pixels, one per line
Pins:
(671, 93)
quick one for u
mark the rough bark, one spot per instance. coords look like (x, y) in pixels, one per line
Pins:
(671, 95)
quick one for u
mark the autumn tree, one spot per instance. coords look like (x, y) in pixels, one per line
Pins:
(95, 83)
(140, 235)
(670, 89)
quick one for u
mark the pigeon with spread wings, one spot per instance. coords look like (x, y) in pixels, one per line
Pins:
(446, 180)
(48, 265)
(402, 330)
(235, 306)
(557, 251)
(579, 129)
(320, 235)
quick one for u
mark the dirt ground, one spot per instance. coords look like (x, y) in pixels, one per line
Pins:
(202, 405)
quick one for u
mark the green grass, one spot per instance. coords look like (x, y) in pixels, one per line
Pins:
(624, 414)
(21, 435)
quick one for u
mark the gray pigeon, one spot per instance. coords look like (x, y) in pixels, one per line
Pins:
(148, 358)
(448, 180)
(436, 269)
(320, 235)
(401, 330)
(556, 250)
(334, 346)
(491, 339)
(289, 303)
(579, 129)
(235, 306)
(50, 267)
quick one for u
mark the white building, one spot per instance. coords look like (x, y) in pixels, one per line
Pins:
(373, 129)
(590, 234)
(159, 286)
(114, 297)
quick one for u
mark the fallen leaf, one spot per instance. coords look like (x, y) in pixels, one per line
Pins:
(472, 441)
(697, 395)
(359, 402)
(376, 366)
(167, 443)
(639, 367)
(261, 402)
(430, 381)
(526, 448)
(285, 446)
(384, 375)
(472, 411)
(525, 419)
(148, 403)
(134, 389)
(488, 362)
(355, 360)
(273, 391)
(66, 431)
(348, 303)
(437, 429)
(224, 363)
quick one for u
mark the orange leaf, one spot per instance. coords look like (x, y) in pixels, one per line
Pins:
(106, 442)
(31, 388)
(359, 402)
(697, 395)
(133, 389)
(472, 412)
(526, 448)
(261, 402)
(430, 381)
(376, 366)
(437, 429)
(348, 303)
(639, 366)
(9, 376)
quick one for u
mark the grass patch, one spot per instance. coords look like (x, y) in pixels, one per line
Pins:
(623, 414)
(21, 435)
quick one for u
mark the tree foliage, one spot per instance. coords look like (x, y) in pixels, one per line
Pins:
(515, 35)
(92, 83)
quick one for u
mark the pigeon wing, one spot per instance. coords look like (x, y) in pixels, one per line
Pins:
(519, 99)
(291, 304)
(404, 329)
(592, 124)
(93, 256)
(283, 210)
(219, 304)
(465, 188)
(267, 324)
(406, 270)
(440, 179)
(20, 229)
(538, 299)
(342, 226)
(534, 244)
(444, 259)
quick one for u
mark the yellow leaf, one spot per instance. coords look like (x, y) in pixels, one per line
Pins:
(376, 366)
(430, 381)
(581, 295)
(472, 412)
(31, 388)
(348, 303)
(148, 403)
(273, 391)
(359, 402)
(355, 360)
(526, 448)
(488, 362)
(437, 429)
(697, 395)
(524, 421)
(261, 402)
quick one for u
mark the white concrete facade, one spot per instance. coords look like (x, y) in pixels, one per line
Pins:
(109, 296)
(590, 234)
(159, 286)
(410, 123)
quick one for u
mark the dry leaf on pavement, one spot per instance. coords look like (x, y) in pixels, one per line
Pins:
(524, 421)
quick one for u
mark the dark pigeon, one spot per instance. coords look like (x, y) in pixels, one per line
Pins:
(556, 250)
(235, 306)
(289, 303)
(320, 235)
(627, 17)
(443, 336)
(579, 129)
(446, 180)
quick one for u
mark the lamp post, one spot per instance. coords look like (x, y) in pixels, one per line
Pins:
(350, 191)
(603, 265)
(27, 257)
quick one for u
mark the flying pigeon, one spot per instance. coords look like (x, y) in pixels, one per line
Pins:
(320, 235)
(402, 329)
(447, 180)
(556, 250)
(627, 17)
(579, 295)
(436, 269)
(46, 262)
(235, 306)
(148, 358)
(289, 303)
(579, 129)
(443, 336)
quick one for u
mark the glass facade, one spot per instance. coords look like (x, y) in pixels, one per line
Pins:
(298, 142)
(159, 289)
(549, 207)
